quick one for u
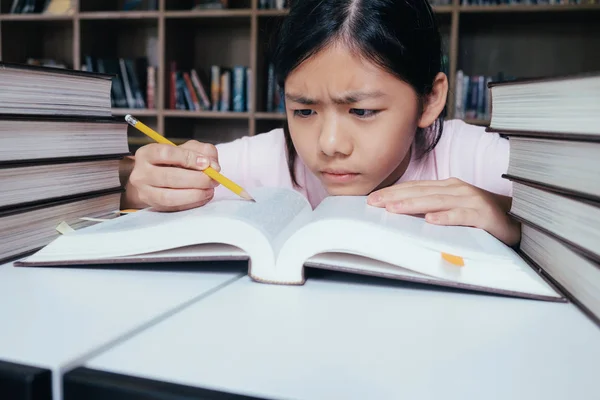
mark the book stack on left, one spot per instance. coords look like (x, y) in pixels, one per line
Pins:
(60, 149)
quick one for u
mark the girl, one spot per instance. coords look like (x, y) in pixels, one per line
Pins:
(364, 97)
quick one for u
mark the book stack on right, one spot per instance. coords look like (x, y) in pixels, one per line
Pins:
(553, 126)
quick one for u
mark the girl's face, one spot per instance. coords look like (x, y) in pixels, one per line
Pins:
(351, 122)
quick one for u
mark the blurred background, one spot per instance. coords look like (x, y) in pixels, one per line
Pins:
(200, 69)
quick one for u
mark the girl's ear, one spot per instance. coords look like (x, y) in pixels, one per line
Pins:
(434, 103)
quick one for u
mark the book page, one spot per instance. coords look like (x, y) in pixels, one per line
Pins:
(467, 240)
(151, 231)
(273, 211)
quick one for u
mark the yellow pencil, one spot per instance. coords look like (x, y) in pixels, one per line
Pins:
(235, 188)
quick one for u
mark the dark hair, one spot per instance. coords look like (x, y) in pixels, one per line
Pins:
(401, 36)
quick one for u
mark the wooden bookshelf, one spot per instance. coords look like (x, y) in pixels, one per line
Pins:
(479, 40)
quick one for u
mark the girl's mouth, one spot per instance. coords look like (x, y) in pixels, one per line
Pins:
(338, 176)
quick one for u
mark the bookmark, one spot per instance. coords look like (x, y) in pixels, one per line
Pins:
(63, 228)
(454, 260)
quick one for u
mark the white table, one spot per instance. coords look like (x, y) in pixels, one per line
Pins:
(57, 318)
(337, 338)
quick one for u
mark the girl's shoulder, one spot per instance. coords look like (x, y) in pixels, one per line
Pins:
(458, 132)
(470, 153)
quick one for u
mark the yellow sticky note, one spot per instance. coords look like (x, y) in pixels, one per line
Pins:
(452, 259)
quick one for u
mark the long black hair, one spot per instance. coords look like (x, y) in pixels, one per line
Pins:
(401, 36)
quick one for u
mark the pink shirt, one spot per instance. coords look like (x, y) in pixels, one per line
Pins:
(464, 151)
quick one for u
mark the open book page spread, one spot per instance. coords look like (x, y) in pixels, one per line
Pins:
(280, 234)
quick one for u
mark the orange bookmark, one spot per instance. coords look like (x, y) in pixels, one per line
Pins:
(452, 259)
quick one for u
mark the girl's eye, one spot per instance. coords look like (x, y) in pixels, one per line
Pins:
(362, 113)
(303, 113)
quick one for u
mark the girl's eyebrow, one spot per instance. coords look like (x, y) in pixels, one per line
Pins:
(355, 97)
(348, 98)
(298, 98)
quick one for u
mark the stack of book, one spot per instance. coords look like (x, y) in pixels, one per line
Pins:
(60, 150)
(553, 126)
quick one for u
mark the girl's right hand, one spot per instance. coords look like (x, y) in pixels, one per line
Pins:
(170, 178)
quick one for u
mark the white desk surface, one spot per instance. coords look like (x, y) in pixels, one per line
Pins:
(337, 339)
(55, 318)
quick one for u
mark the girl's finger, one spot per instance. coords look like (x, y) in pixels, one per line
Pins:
(457, 216)
(163, 199)
(179, 178)
(427, 204)
(405, 195)
(165, 154)
(398, 192)
(411, 184)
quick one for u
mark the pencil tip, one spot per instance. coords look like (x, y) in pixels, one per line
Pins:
(246, 196)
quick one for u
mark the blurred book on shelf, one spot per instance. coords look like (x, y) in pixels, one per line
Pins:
(275, 100)
(134, 80)
(273, 4)
(210, 4)
(47, 62)
(220, 89)
(55, 7)
(140, 5)
(472, 96)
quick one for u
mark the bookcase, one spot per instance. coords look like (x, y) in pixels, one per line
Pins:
(514, 39)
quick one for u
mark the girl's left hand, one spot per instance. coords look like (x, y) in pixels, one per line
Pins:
(451, 202)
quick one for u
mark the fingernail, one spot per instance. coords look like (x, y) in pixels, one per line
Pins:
(214, 183)
(215, 165)
(202, 162)
(432, 218)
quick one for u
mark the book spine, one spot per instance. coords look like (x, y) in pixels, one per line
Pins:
(195, 103)
(271, 88)
(238, 89)
(128, 92)
(225, 104)
(215, 83)
(481, 96)
(200, 89)
(249, 92)
(151, 87)
(459, 106)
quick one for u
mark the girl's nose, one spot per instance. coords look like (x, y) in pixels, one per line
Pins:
(333, 140)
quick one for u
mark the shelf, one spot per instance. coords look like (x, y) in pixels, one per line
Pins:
(517, 8)
(270, 115)
(102, 15)
(206, 114)
(34, 17)
(231, 13)
(277, 13)
(136, 112)
(272, 13)
(443, 9)
(475, 121)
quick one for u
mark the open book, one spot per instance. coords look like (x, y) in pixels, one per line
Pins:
(281, 234)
